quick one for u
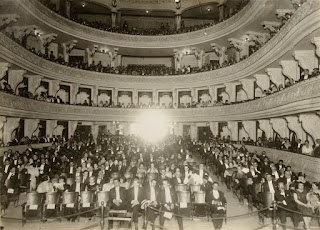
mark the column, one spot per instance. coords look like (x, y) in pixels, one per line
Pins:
(194, 94)
(115, 96)
(54, 86)
(3, 120)
(31, 127)
(213, 91)
(89, 54)
(265, 126)
(33, 82)
(50, 126)
(306, 58)
(74, 89)
(214, 127)
(231, 91)
(310, 123)
(241, 46)
(193, 132)
(67, 8)
(11, 124)
(72, 126)
(296, 126)
(251, 128)
(221, 12)
(263, 81)
(155, 96)
(15, 77)
(290, 68)
(199, 54)
(94, 132)
(3, 69)
(220, 52)
(113, 18)
(178, 19)
(67, 47)
(135, 97)
(233, 127)
(94, 94)
(280, 126)
(113, 56)
(177, 59)
(175, 98)
(248, 86)
(45, 41)
(276, 76)
(119, 18)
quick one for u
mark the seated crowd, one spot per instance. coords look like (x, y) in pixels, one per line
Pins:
(164, 29)
(135, 173)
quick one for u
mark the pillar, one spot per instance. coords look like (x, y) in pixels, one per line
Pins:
(310, 123)
(280, 126)
(54, 86)
(45, 41)
(15, 77)
(57, 131)
(194, 94)
(214, 127)
(306, 58)
(213, 91)
(115, 96)
(234, 129)
(265, 126)
(119, 18)
(113, 57)
(175, 98)
(177, 59)
(31, 126)
(248, 86)
(231, 91)
(193, 132)
(155, 96)
(251, 128)
(11, 124)
(3, 120)
(67, 47)
(295, 125)
(33, 82)
(94, 94)
(74, 89)
(94, 132)
(178, 19)
(3, 69)
(67, 8)
(50, 126)
(276, 76)
(290, 68)
(135, 99)
(72, 126)
(263, 81)
(113, 19)
(221, 13)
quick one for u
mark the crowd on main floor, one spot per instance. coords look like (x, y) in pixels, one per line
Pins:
(134, 172)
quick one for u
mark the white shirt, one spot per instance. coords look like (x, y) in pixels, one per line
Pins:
(6, 168)
(78, 187)
(71, 170)
(215, 194)
(271, 188)
(117, 193)
(153, 194)
(136, 193)
(179, 180)
(168, 195)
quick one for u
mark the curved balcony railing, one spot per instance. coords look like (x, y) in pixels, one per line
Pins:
(42, 13)
(305, 20)
(303, 97)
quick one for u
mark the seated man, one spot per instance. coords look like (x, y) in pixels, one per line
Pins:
(216, 201)
(151, 192)
(135, 197)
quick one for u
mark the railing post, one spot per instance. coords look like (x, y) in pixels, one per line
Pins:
(274, 215)
(102, 216)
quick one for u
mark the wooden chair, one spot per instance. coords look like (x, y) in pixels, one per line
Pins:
(199, 205)
(102, 196)
(69, 205)
(32, 209)
(86, 203)
(266, 201)
(51, 207)
(184, 201)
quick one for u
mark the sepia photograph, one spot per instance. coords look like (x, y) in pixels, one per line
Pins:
(160, 114)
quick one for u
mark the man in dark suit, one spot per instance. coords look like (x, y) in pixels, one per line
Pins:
(286, 180)
(169, 203)
(177, 179)
(279, 165)
(217, 202)
(316, 150)
(151, 192)
(134, 198)
(207, 185)
(78, 186)
(284, 199)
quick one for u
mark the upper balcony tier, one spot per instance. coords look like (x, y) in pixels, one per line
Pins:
(248, 15)
(305, 22)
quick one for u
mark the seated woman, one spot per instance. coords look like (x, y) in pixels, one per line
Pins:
(314, 197)
(92, 185)
(301, 198)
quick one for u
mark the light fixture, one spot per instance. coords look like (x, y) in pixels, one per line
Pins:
(178, 4)
(209, 9)
(114, 3)
(83, 5)
(147, 11)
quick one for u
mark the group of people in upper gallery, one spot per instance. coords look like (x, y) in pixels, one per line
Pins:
(135, 174)
(163, 29)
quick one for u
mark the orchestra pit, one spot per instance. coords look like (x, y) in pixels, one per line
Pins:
(160, 114)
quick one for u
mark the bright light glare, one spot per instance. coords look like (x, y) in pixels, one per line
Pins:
(152, 125)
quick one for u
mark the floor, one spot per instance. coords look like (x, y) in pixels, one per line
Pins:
(246, 222)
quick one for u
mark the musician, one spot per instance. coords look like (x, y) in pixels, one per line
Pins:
(217, 202)
(169, 203)
(135, 197)
(151, 192)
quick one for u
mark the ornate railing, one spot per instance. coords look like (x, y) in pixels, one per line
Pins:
(305, 20)
(303, 97)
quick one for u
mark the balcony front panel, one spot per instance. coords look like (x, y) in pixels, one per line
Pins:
(304, 97)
